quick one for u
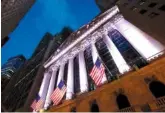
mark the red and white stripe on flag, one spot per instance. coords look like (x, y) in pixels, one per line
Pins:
(97, 74)
(33, 105)
(58, 94)
(39, 104)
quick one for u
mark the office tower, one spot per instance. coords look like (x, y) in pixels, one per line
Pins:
(148, 15)
(12, 12)
(16, 93)
(10, 68)
(134, 64)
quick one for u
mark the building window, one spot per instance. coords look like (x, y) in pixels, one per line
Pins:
(131, 56)
(94, 107)
(162, 8)
(133, 8)
(56, 78)
(122, 101)
(125, 4)
(143, 11)
(141, 2)
(151, 5)
(157, 88)
(153, 15)
(65, 72)
(89, 66)
(76, 75)
(111, 69)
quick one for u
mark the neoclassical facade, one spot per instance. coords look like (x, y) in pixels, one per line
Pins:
(120, 45)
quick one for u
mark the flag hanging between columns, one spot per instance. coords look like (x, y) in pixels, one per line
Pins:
(37, 103)
(98, 71)
(58, 93)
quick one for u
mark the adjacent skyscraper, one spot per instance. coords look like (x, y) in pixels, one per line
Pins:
(12, 12)
(16, 93)
(134, 69)
(10, 68)
(148, 15)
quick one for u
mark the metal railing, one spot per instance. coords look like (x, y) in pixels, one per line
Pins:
(128, 109)
(160, 102)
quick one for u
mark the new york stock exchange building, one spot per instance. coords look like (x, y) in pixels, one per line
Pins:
(134, 69)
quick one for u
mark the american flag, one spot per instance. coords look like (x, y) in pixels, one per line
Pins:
(37, 103)
(97, 72)
(58, 93)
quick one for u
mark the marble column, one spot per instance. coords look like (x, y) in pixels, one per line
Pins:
(70, 80)
(44, 87)
(51, 88)
(116, 55)
(83, 73)
(61, 74)
(143, 43)
(95, 55)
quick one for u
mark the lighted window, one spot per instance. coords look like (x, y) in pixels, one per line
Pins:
(141, 2)
(125, 4)
(153, 15)
(151, 5)
(143, 11)
(162, 8)
(133, 8)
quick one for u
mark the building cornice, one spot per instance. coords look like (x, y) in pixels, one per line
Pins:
(84, 40)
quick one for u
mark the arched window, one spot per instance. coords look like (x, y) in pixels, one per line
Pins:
(73, 109)
(122, 101)
(157, 89)
(94, 107)
(129, 53)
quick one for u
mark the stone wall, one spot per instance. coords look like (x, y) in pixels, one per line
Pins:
(134, 85)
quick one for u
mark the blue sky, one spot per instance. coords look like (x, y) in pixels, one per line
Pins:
(47, 16)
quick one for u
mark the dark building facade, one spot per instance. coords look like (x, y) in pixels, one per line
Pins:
(134, 68)
(10, 68)
(148, 15)
(4, 41)
(12, 65)
(16, 93)
(12, 12)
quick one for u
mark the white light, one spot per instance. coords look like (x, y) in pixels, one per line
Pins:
(83, 73)
(70, 80)
(143, 43)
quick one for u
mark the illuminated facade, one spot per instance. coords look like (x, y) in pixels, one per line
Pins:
(122, 47)
(17, 91)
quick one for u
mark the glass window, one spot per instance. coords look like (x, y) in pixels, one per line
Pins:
(131, 56)
(89, 66)
(76, 75)
(133, 8)
(125, 4)
(151, 5)
(162, 8)
(73, 109)
(56, 78)
(153, 15)
(110, 66)
(65, 72)
(141, 2)
(143, 11)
